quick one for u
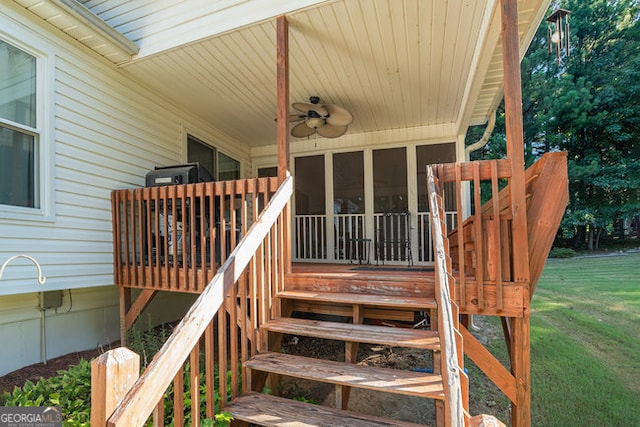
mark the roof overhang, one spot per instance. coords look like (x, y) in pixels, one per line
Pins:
(413, 68)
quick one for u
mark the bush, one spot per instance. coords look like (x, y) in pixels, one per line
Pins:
(70, 390)
(562, 253)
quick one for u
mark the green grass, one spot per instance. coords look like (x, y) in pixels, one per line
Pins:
(585, 343)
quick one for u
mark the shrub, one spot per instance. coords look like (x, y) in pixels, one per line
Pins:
(562, 253)
(70, 390)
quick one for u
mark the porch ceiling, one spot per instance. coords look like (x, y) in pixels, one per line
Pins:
(393, 64)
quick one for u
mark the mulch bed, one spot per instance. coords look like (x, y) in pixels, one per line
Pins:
(44, 370)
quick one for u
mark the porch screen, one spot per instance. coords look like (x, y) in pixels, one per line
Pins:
(428, 155)
(348, 183)
(390, 180)
(310, 192)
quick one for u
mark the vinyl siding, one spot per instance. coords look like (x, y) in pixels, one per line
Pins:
(88, 319)
(108, 132)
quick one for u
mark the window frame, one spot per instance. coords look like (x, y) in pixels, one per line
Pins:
(216, 154)
(44, 166)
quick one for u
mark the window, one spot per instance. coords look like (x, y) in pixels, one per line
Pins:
(19, 131)
(221, 166)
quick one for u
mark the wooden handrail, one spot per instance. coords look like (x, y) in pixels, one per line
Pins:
(144, 397)
(450, 338)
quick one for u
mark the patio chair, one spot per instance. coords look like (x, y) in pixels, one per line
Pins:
(393, 237)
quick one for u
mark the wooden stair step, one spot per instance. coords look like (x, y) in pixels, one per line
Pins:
(396, 337)
(272, 411)
(395, 301)
(340, 373)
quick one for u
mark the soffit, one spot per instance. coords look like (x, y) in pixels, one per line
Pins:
(396, 65)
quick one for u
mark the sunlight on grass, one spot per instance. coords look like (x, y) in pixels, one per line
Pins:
(585, 343)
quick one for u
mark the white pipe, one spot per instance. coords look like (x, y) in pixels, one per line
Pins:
(41, 278)
(43, 331)
(485, 137)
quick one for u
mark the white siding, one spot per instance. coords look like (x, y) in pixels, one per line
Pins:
(87, 319)
(109, 131)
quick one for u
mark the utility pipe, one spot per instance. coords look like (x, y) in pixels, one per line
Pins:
(485, 137)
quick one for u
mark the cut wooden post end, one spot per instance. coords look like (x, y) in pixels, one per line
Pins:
(112, 375)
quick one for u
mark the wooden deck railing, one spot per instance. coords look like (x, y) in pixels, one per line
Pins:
(220, 330)
(481, 245)
(174, 238)
(451, 363)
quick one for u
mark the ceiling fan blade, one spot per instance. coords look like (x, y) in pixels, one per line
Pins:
(331, 131)
(338, 116)
(305, 107)
(301, 130)
(296, 117)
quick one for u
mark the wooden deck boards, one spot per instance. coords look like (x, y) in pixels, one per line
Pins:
(368, 377)
(397, 337)
(415, 281)
(271, 411)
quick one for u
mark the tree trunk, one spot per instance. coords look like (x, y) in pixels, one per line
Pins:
(590, 241)
(597, 244)
(579, 236)
(621, 223)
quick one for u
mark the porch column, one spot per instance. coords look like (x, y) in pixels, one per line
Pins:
(282, 49)
(520, 362)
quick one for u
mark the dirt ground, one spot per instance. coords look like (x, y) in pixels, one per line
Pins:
(407, 408)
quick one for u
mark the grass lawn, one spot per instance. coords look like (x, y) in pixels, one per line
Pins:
(585, 345)
(585, 342)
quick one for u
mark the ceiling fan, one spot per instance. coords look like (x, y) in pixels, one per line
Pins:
(328, 120)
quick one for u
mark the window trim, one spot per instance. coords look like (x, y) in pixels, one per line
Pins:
(217, 151)
(44, 132)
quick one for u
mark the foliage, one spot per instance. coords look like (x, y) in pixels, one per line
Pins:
(70, 389)
(562, 253)
(147, 341)
(586, 105)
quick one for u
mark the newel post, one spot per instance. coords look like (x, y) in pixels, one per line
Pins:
(112, 375)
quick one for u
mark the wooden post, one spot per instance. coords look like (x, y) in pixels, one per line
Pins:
(125, 305)
(112, 375)
(283, 96)
(515, 136)
(520, 339)
(520, 367)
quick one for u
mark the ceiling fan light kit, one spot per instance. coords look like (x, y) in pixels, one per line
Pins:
(328, 120)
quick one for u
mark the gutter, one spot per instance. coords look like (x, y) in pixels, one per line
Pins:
(485, 137)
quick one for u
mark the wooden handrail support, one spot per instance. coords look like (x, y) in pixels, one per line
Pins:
(547, 195)
(450, 339)
(143, 397)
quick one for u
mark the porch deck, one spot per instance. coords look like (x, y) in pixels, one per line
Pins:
(404, 281)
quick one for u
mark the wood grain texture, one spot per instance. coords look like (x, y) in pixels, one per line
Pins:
(367, 377)
(271, 411)
(396, 337)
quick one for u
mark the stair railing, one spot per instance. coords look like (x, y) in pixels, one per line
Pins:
(451, 361)
(223, 324)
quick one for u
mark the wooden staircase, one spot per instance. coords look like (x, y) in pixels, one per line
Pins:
(269, 410)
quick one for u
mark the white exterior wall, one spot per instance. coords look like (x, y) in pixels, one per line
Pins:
(106, 132)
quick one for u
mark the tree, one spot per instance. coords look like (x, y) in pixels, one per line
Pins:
(587, 105)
